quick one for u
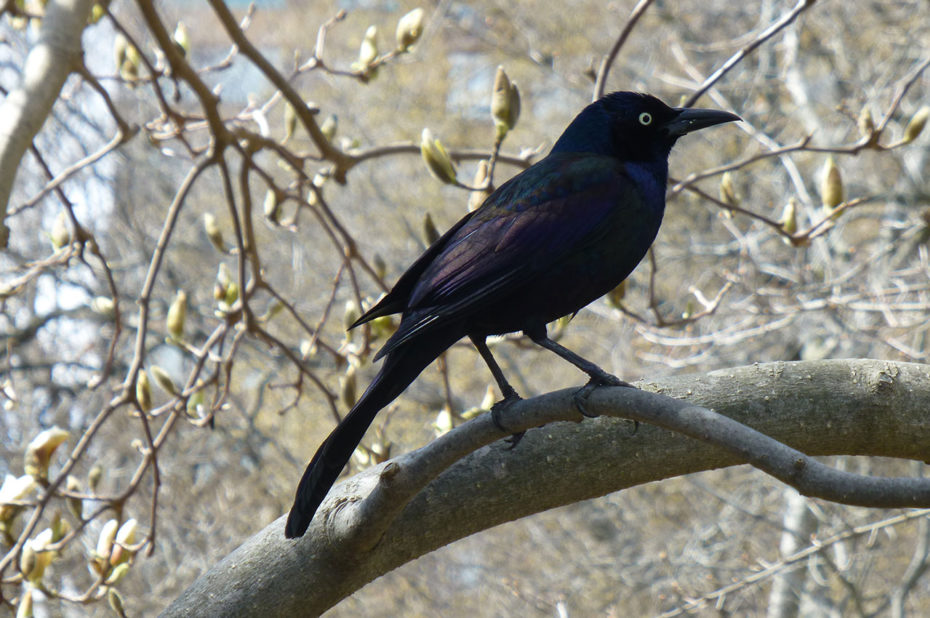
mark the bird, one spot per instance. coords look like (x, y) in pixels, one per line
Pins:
(542, 246)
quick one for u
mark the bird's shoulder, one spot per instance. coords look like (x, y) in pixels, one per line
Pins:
(554, 178)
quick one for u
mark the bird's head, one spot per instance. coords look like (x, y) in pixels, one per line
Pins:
(634, 127)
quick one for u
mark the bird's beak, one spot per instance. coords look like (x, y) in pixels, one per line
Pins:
(690, 119)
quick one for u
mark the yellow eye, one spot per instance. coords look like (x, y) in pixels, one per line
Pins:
(645, 119)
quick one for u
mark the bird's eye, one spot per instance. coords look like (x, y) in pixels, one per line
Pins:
(645, 119)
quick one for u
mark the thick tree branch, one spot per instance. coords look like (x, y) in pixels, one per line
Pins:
(822, 408)
(56, 53)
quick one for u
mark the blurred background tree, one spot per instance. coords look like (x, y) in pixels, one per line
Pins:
(219, 188)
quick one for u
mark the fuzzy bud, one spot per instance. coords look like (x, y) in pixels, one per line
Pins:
(195, 404)
(866, 123)
(163, 380)
(33, 566)
(75, 505)
(177, 314)
(182, 38)
(409, 29)
(329, 126)
(272, 205)
(105, 543)
(60, 234)
(476, 198)
(436, 158)
(120, 45)
(103, 305)
(115, 601)
(368, 51)
(24, 608)
(290, 122)
(351, 315)
(789, 217)
(123, 542)
(379, 265)
(916, 124)
(727, 191)
(118, 573)
(39, 452)
(430, 233)
(128, 59)
(144, 391)
(505, 103)
(14, 489)
(444, 421)
(94, 476)
(831, 187)
(212, 228)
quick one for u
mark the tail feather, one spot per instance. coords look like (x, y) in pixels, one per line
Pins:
(401, 367)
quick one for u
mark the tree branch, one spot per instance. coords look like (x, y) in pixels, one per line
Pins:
(363, 529)
(23, 112)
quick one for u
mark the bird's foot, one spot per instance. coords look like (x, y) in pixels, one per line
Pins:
(509, 399)
(598, 378)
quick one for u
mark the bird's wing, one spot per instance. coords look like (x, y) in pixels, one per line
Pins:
(396, 300)
(539, 218)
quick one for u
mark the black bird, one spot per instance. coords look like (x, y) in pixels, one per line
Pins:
(545, 244)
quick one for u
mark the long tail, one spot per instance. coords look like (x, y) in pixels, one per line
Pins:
(401, 367)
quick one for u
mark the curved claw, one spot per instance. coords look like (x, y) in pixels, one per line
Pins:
(499, 407)
(598, 378)
(514, 440)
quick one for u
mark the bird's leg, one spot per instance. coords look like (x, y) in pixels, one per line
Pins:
(597, 376)
(509, 393)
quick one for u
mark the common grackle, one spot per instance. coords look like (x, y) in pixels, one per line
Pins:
(543, 245)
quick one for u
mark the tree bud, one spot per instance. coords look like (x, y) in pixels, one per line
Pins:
(865, 122)
(272, 205)
(103, 305)
(115, 601)
(182, 39)
(14, 489)
(727, 191)
(379, 265)
(212, 229)
(24, 608)
(436, 158)
(41, 556)
(329, 126)
(476, 198)
(409, 29)
(351, 315)
(430, 233)
(94, 476)
(290, 122)
(117, 574)
(505, 103)
(143, 391)
(177, 314)
(444, 421)
(39, 452)
(75, 505)
(163, 380)
(105, 543)
(916, 124)
(789, 217)
(368, 51)
(831, 187)
(60, 234)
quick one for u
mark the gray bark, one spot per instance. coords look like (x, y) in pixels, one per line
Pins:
(368, 527)
(55, 54)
